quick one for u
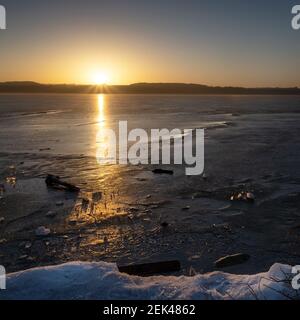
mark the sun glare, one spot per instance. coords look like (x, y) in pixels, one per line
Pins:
(100, 78)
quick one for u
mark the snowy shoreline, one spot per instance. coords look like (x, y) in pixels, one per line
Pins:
(102, 281)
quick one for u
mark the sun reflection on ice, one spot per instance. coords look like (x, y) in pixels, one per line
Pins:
(101, 141)
(101, 114)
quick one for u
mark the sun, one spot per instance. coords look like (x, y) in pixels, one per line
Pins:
(100, 78)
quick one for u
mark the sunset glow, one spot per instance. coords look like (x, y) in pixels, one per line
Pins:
(100, 78)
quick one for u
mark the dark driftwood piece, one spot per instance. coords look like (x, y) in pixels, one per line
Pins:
(55, 182)
(148, 269)
(232, 260)
(162, 171)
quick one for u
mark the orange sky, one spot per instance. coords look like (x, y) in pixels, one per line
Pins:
(238, 43)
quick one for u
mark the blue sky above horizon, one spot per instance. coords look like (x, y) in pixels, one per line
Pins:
(232, 42)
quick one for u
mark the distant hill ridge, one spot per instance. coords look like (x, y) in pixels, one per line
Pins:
(138, 88)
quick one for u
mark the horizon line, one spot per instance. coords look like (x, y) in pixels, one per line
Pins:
(143, 83)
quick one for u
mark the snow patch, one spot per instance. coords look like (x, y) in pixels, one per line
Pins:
(101, 280)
